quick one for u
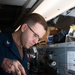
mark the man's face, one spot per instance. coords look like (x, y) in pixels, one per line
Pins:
(31, 35)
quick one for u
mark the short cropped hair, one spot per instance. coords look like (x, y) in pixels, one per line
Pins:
(34, 18)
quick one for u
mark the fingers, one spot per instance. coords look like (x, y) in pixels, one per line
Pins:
(6, 65)
(11, 70)
(14, 67)
(21, 69)
(17, 70)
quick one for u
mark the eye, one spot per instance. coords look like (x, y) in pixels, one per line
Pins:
(39, 39)
(35, 35)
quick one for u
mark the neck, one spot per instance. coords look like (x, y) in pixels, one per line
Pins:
(16, 37)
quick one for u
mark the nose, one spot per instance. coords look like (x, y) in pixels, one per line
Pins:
(35, 40)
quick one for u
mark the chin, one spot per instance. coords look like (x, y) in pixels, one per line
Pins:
(28, 47)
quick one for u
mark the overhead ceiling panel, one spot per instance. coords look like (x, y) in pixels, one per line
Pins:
(13, 2)
(52, 8)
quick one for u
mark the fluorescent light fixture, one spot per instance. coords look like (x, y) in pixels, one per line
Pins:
(52, 8)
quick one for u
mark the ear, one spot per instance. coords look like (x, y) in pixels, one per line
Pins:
(23, 28)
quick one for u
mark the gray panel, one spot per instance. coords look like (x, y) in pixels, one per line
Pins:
(61, 56)
(13, 2)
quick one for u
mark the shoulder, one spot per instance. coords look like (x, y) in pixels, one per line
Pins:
(4, 35)
(6, 38)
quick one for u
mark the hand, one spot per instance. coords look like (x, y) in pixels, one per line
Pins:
(13, 66)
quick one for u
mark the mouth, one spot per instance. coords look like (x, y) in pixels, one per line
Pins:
(30, 45)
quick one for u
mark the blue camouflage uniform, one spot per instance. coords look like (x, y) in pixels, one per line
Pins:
(8, 49)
